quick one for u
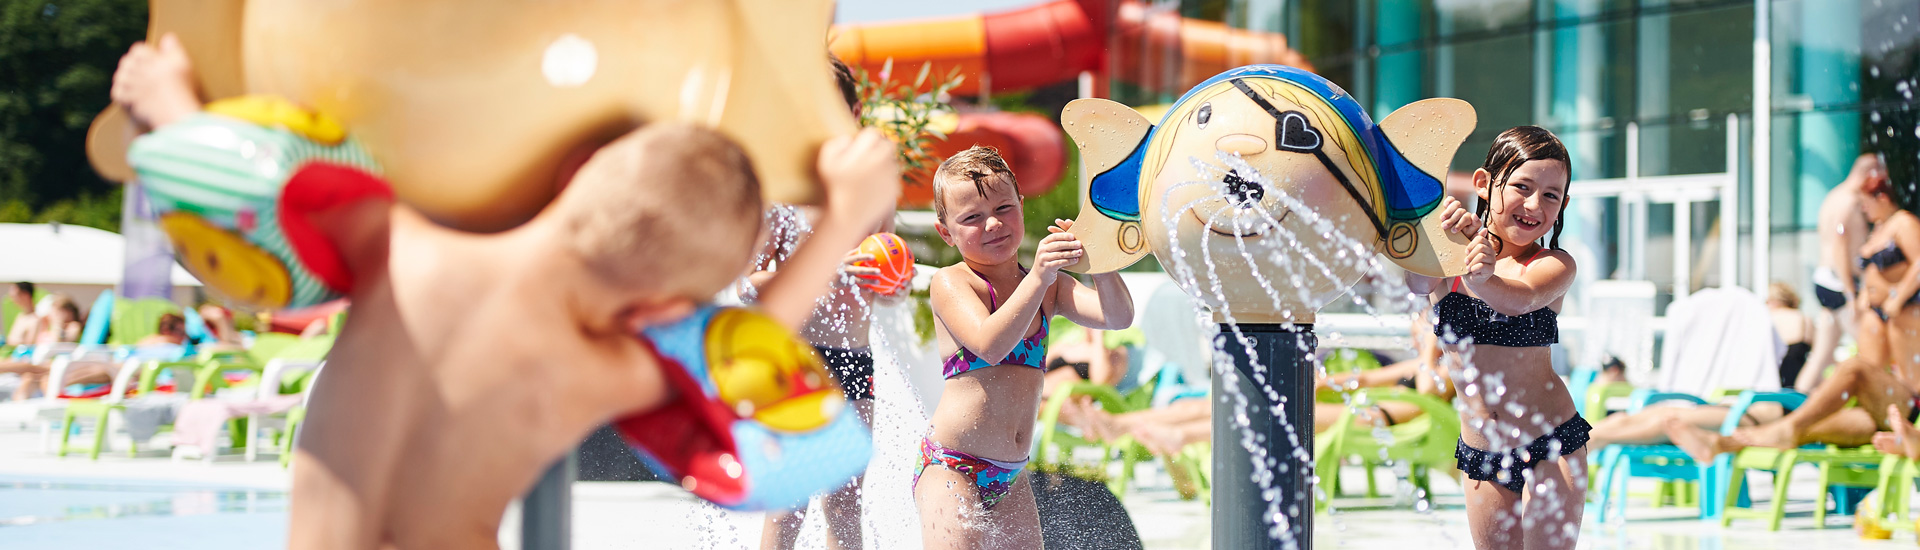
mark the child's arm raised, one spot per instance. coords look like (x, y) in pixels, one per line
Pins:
(1107, 305)
(155, 82)
(1544, 281)
(861, 174)
(993, 334)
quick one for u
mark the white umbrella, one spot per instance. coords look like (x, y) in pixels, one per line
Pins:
(66, 254)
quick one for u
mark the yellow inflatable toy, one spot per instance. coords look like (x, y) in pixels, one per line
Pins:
(474, 109)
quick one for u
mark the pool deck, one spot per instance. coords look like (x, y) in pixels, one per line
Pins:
(49, 502)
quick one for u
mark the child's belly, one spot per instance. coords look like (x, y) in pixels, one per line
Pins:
(1512, 396)
(990, 412)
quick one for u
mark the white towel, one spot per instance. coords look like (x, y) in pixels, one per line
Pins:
(1720, 338)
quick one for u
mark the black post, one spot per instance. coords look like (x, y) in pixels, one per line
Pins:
(546, 512)
(1240, 513)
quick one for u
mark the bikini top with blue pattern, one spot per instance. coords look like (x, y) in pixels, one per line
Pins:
(1030, 352)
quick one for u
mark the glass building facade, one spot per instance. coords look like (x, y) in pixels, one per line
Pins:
(1644, 93)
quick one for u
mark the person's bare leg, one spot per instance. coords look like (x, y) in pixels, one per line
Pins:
(1557, 494)
(1110, 372)
(1904, 440)
(1395, 413)
(1855, 378)
(842, 509)
(1326, 414)
(1649, 426)
(1493, 515)
(950, 513)
(1700, 444)
(28, 382)
(1826, 339)
(1014, 522)
(1056, 379)
(782, 529)
(842, 506)
(1852, 427)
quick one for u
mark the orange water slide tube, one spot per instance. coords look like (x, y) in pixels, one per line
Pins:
(1056, 41)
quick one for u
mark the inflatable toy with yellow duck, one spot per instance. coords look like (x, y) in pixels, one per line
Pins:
(1178, 186)
(474, 113)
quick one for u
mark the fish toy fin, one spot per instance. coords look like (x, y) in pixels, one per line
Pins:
(1421, 139)
(1113, 140)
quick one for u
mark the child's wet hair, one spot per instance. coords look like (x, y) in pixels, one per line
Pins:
(654, 208)
(1517, 146)
(981, 165)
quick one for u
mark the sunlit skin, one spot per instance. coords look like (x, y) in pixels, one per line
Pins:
(1843, 230)
(509, 338)
(1883, 376)
(1521, 214)
(989, 412)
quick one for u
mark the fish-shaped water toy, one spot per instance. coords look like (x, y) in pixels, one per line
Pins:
(1270, 241)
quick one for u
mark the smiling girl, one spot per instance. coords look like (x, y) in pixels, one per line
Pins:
(1522, 445)
(990, 315)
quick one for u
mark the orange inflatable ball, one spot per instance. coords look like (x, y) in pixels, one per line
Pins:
(891, 257)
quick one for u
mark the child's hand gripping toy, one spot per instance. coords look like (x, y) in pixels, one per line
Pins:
(892, 258)
(757, 425)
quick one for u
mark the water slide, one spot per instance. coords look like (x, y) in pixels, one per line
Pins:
(1056, 41)
(1154, 50)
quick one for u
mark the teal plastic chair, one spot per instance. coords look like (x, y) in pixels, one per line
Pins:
(1619, 463)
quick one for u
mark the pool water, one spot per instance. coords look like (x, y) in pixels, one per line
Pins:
(97, 513)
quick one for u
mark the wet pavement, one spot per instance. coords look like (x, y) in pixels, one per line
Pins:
(154, 502)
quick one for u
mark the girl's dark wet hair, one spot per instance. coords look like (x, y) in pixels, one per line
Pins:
(1515, 147)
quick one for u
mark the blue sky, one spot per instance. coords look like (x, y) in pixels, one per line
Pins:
(865, 11)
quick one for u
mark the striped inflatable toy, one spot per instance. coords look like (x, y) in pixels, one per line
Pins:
(229, 186)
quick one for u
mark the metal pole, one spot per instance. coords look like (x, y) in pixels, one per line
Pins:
(546, 512)
(1762, 143)
(1240, 512)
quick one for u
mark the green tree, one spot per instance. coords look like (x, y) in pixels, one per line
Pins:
(56, 63)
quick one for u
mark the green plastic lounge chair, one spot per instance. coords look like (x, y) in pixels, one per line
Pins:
(291, 372)
(1855, 467)
(136, 319)
(1895, 487)
(1057, 443)
(147, 374)
(1425, 442)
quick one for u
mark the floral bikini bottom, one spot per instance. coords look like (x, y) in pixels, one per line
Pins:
(992, 478)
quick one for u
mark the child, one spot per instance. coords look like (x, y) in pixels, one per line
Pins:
(1521, 442)
(991, 317)
(836, 327)
(475, 360)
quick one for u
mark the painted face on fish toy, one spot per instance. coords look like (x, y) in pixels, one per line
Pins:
(1272, 182)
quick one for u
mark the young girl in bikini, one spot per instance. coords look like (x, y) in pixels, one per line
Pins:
(1522, 445)
(990, 315)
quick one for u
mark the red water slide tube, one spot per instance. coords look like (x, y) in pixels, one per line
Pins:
(1058, 40)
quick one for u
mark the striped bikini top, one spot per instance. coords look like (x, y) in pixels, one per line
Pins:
(1030, 352)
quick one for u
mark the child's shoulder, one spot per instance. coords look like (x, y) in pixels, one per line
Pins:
(1552, 256)
(954, 274)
